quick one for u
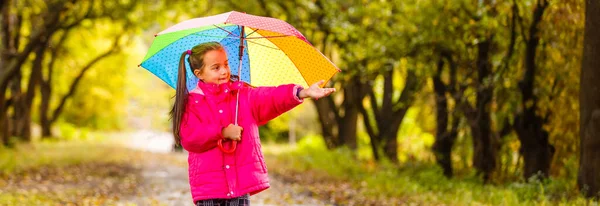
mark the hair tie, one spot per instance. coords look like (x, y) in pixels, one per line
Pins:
(189, 52)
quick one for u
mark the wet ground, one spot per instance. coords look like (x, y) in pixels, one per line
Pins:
(165, 181)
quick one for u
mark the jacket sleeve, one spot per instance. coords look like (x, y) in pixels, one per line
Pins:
(196, 136)
(269, 102)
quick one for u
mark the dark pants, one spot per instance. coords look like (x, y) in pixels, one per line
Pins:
(238, 201)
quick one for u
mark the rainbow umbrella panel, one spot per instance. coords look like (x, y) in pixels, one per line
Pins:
(273, 52)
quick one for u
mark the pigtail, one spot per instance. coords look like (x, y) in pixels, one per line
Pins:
(196, 56)
(180, 100)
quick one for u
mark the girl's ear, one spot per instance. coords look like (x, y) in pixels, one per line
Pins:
(197, 73)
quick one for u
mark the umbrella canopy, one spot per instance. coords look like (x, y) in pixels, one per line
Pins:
(275, 52)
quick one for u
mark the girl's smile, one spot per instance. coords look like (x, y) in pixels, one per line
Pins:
(216, 69)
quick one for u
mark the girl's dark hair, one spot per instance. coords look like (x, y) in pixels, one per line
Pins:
(196, 59)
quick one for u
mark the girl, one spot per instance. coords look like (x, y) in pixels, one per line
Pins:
(206, 115)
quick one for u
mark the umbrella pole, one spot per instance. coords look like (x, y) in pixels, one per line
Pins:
(237, 103)
(241, 54)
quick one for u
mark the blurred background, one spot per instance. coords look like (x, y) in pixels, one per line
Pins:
(439, 102)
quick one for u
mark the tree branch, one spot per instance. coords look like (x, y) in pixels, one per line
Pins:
(115, 48)
(407, 93)
(388, 90)
(36, 73)
(470, 13)
(521, 24)
(373, 101)
(513, 38)
(36, 37)
(506, 129)
(367, 121)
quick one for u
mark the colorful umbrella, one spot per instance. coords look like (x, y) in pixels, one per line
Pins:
(275, 52)
(269, 51)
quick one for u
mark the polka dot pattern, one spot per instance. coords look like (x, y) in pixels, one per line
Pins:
(270, 66)
(265, 23)
(311, 64)
(265, 62)
(232, 48)
(165, 62)
(163, 40)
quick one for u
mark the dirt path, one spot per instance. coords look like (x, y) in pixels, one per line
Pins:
(165, 181)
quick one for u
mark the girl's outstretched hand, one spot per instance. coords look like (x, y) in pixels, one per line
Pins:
(316, 92)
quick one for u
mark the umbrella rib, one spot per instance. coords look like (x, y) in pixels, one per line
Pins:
(216, 36)
(263, 45)
(226, 30)
(251, 33)
(262, 37)
(266, 37)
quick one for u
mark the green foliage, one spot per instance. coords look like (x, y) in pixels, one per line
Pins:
(300, 120)
(101, 86)
(71, 132)
(416, 183)
(148, 99)
(361, 37)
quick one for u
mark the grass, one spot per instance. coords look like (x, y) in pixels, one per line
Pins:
(29, 156)
(338, 176)
(411, 183)
(89, 147)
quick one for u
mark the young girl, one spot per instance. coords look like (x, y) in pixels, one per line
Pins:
(206, 115)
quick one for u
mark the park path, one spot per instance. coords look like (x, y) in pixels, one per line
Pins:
(165, 181)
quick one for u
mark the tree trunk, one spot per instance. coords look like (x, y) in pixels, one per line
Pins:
(4, 75)
(384, 130)
(328, 120)
(536, 150)
(21, 119)
(347, 127)
(339, 124)
(484, 158)
(46, 85)
(442, 148)
(45, 91)
(389, 138)
(589, 165)
(12, 65)
(349, 122)
(45, 122)
(17, 99)
(444, 138)
(36, 71)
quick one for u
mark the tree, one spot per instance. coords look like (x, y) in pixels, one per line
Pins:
(535, 146)
(47, 121)
(12, 58)
(445, 136)
(53, 17)
(589, 165)
(382, 121)
(338, 119)
(468, 50)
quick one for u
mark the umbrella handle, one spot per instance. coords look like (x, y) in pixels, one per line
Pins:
(220, 144)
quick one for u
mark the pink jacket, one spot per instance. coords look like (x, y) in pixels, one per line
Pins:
(213, 173)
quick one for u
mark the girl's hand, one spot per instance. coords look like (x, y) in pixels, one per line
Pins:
(232, 132)
(316, 92)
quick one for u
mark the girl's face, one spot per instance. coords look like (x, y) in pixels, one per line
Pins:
(216, 68)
